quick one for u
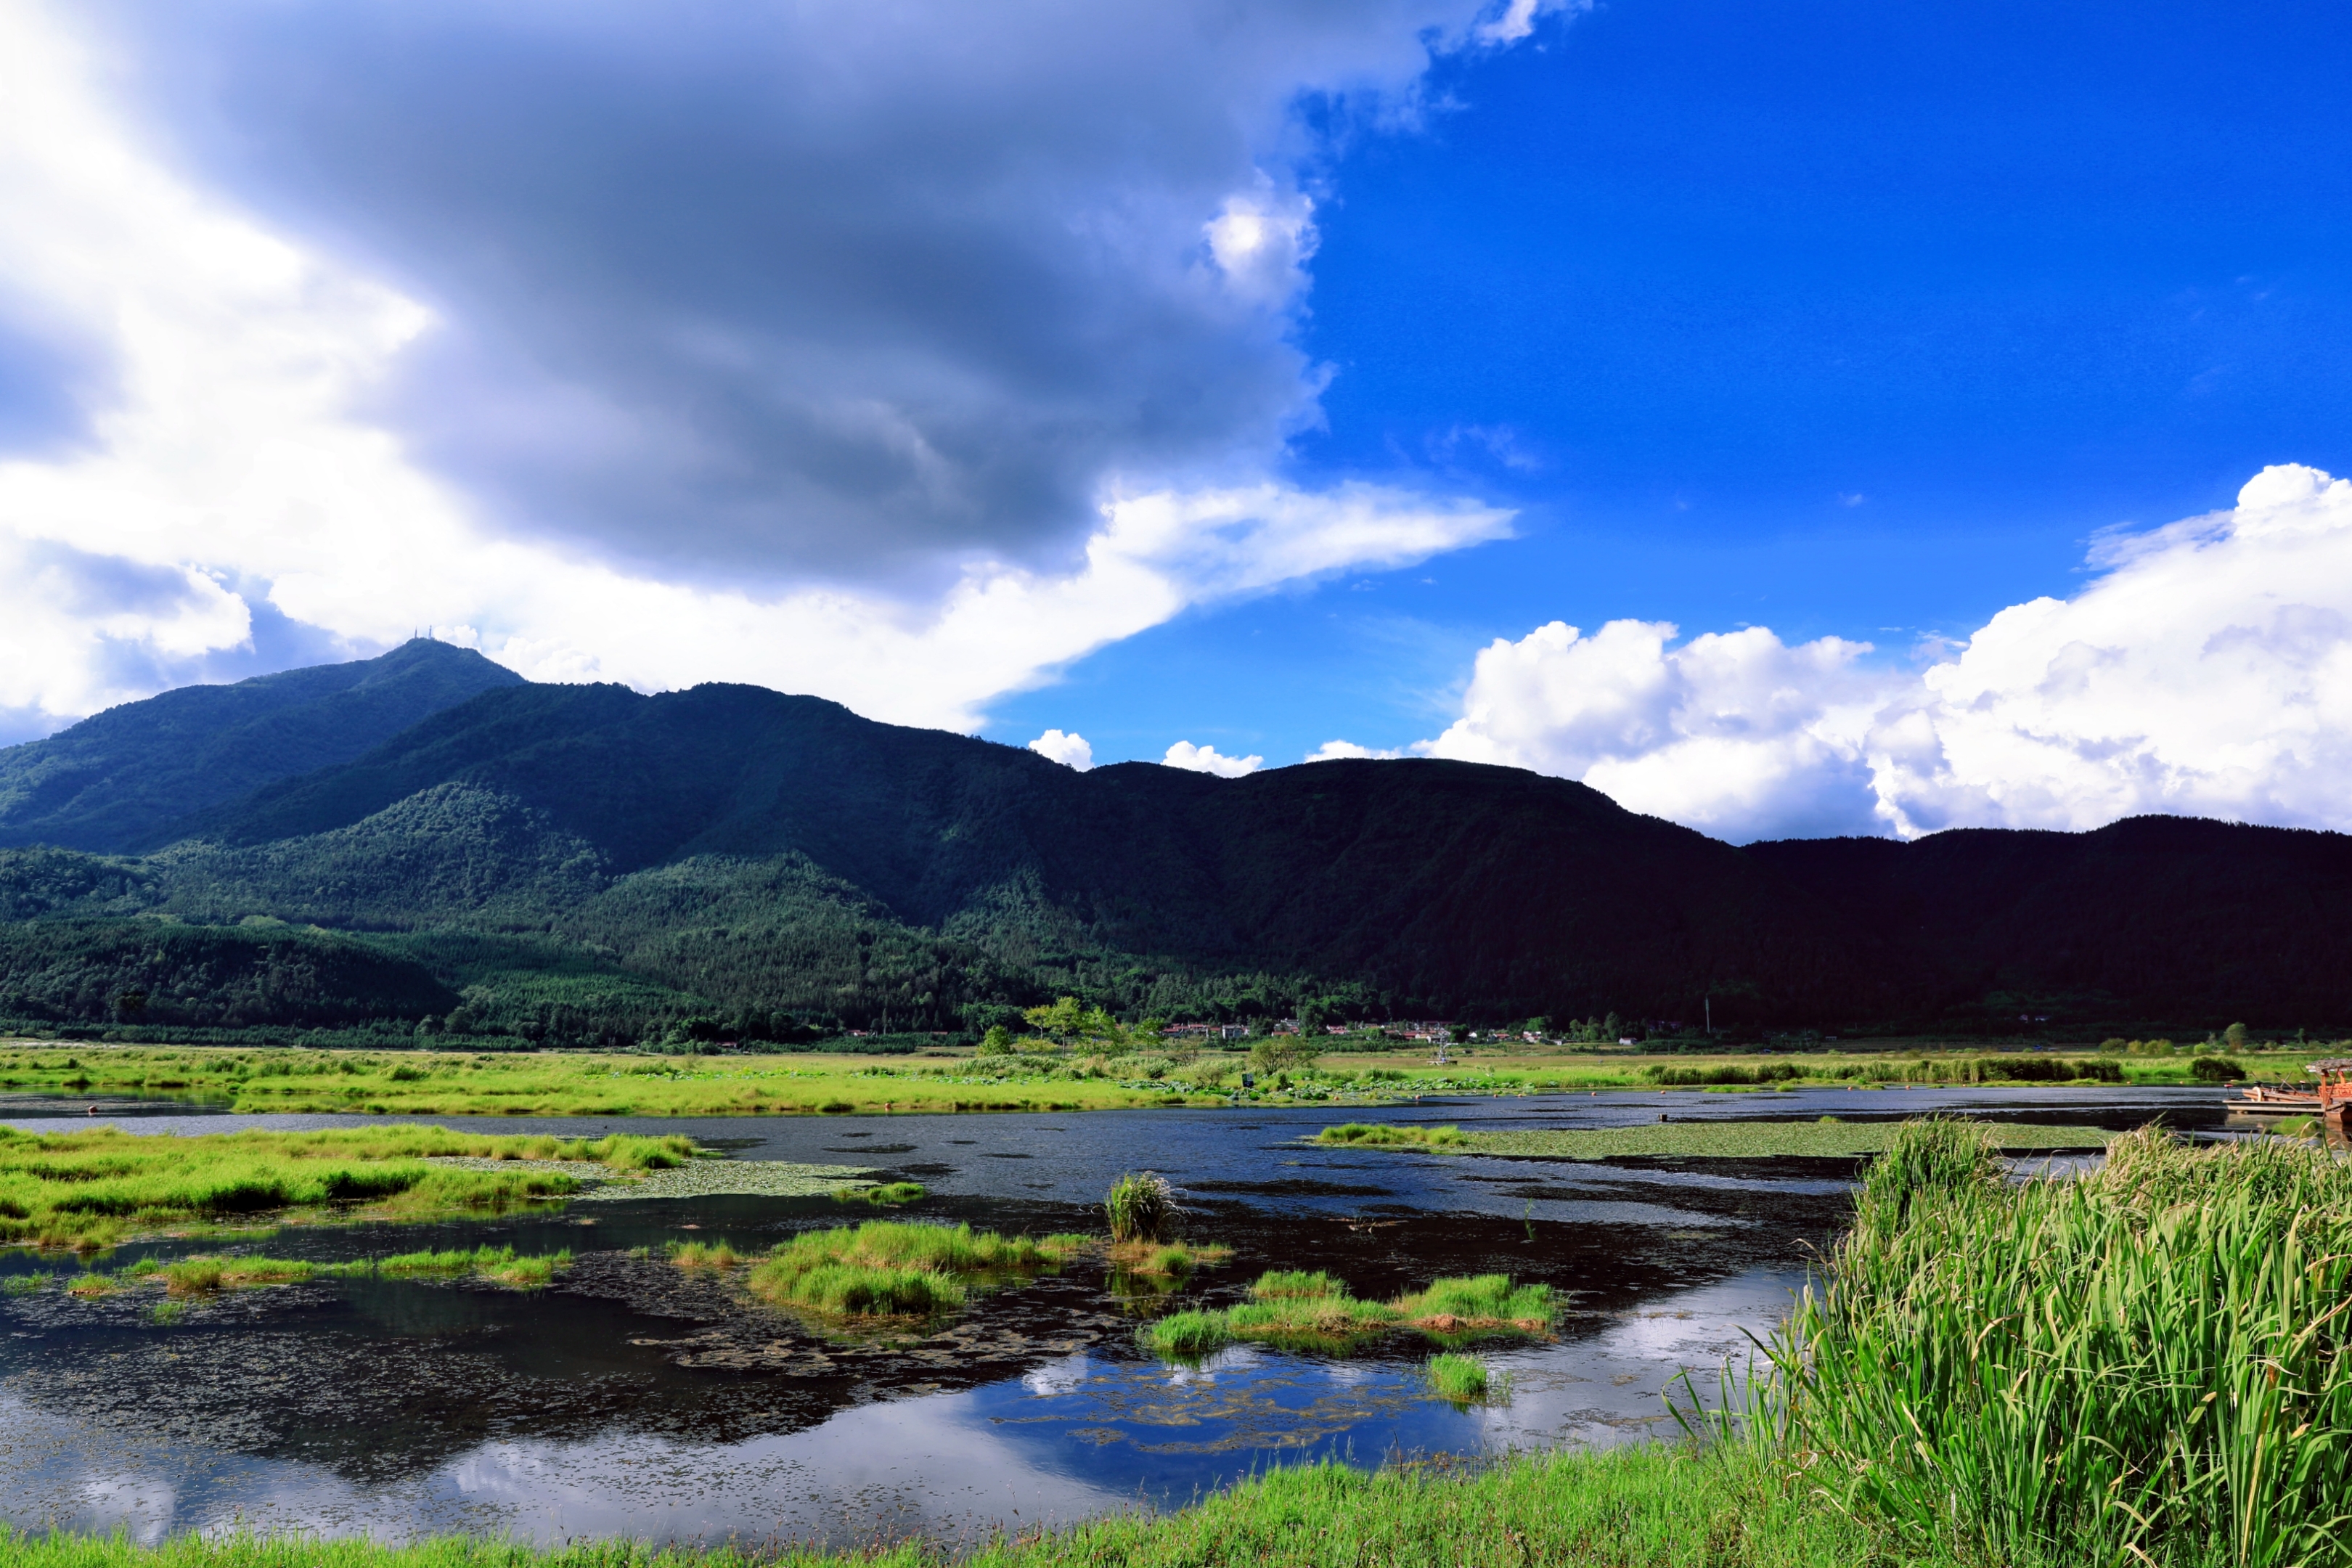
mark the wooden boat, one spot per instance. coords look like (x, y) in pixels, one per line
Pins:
(2275, 1100)
(2335, 1077)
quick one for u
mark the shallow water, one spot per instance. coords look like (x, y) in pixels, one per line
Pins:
(630, 1399)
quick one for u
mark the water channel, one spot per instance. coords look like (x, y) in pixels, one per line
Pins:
(630, 1400)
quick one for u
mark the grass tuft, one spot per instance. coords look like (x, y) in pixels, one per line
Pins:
(1298, 1310)
(885, 1195)
(893, 1268)
(704, 1255)
(1460, 1378)
(1142, 1206)
(1391, 1134)
(1165, 1260)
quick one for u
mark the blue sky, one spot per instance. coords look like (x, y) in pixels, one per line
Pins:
(1853, 318)
(1851, 417)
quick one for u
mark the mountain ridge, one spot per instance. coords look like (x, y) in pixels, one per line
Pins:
(121, 778)
(596, 860)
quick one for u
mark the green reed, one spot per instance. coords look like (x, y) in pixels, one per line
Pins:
(2147, 1364)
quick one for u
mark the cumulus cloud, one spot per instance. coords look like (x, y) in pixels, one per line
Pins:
(1205, 760)
(902, 362)
(1340, 751)
(1736, 733)
(1070, 751)
(2207, 670)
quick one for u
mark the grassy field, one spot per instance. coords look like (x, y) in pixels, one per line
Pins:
(1825, 1138)
(586, 1084)
(94, 1188)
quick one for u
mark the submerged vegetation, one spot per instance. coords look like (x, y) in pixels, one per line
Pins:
(1828, 1138)
(1295, 1310)
(94, 1188)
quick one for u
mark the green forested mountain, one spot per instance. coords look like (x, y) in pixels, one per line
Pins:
(588, 863)
(119, 780)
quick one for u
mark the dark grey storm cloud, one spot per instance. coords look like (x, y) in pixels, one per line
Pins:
(789, 289)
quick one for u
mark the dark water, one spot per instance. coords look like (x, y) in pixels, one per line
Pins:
(629, 1399)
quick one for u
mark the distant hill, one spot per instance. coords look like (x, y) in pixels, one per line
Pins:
(119, 780)
(588, 863)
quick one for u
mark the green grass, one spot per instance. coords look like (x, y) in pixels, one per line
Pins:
(498, 1264)
(1296, 1282)
(1165, 1260)
(94, 1188)
(883, 1194)
(1388, 1135)
(1463, 1379)
(692, 1255)
(2150, 1363)
(1825, 1138)
(587, 1083)
(206, 1274)
(892, 1268)
(1140, 1206)
(1290, 1308)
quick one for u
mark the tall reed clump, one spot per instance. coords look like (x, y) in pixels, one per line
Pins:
(1142, 1206)
(2147, 1365)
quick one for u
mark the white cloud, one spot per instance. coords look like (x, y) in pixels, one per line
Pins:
(1737, 733)
(1340, 751)
(1205, 760)
(1070, 751)
(237, 459)
(2207, 671)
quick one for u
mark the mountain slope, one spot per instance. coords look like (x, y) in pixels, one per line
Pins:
(589, 863)
(1443, 882)
(119, 780)
(2164, 917)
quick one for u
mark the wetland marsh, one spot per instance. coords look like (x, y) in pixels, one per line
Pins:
(624, 1394)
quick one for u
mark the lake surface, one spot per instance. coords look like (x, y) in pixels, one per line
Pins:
(631, 1400)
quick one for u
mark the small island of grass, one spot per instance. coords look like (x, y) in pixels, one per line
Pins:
(1294, 1310)
(1828, 1138)
(91, 1189)
(883, 1268)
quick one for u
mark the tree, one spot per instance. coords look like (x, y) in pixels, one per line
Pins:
(2234, 1037)
(1282, 1053)
(1058, 1022)
(997, 1042)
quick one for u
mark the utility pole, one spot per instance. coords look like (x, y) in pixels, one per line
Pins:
(1709, 1004)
